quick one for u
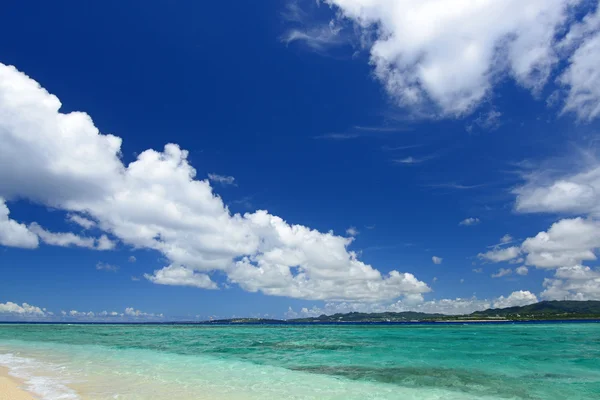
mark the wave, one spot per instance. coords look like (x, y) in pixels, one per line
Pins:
(36, 381)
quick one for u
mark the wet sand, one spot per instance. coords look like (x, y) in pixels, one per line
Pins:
(10, 387)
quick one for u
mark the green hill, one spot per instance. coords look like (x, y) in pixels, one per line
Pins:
(544, 310)
(372, 317)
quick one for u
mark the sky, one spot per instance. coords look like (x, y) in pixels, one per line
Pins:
(191, 160)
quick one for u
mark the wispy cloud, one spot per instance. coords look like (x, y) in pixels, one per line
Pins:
(487, 121)
(437, 260)
(106, 267)
(415, 160)
(222, 179)
(338, 136)
(292, 12)
(383, 128)
(395, 148)
(245, 202)
(318, 38)
(454, 185)
(352, 231)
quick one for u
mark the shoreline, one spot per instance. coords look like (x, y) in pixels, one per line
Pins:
(11, 387)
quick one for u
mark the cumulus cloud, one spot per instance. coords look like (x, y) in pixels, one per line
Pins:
(500, 255)
(437, 260)
(156, 203)
(443, 306)
(582, 76)
(175, 275)
(449, 53)
(571, 193)
(81, 221)
(130, 314)
(67, 239)
(568, 242)
(502, 272)
(522, 270)
(14, 234)
(469, 221)
(575, 282)
(222, 179)
(21, 310)
(516, 299)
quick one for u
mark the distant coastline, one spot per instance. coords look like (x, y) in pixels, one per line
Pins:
(545, 311)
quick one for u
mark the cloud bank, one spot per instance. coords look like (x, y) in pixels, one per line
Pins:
(443, 57)
(156, 202)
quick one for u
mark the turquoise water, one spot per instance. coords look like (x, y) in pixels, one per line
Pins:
(512, 361)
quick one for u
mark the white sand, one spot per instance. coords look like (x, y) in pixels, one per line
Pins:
(10, 387)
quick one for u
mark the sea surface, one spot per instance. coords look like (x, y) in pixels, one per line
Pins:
(178, 362)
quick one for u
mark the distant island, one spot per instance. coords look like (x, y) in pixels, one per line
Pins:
(545, 310)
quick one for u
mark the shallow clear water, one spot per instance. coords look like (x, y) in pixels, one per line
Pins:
(509, 361)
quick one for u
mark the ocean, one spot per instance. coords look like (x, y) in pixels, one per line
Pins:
(179, 362)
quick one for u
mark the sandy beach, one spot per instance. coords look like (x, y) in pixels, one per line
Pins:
(9, 387)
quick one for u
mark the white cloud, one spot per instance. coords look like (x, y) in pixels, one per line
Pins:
(469, 221)
(132, 259)
(14, 234)
(81, 221)
(132, 312)
(500, 255)
(352, 231)
(570, 193)
(222, 179)
(575, 282)
(174, 275)
(582, 77)
(104, 243)
(450, 53)
(506, 239)
(100, 266)
(478, 270)
(502, 272)
(21, 310)
(26, 311)
(437, 260)
(318, 37)
(66, 239)
(443, 306)
(156, 203)
(568, 242)
(415, 160)
(522, 270)
(516, 299)
(488, 121)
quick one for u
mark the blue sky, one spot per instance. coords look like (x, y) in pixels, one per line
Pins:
(366, 130)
